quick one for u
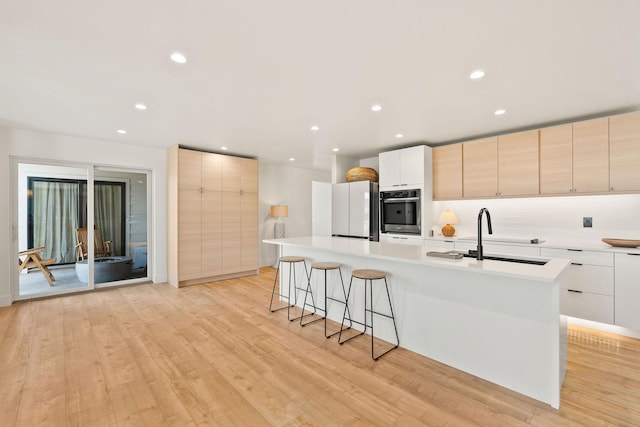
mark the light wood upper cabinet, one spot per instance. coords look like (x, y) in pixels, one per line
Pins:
(189, 169)
(447, 172)
(249, 176)
(212, 171)
(591, 156)
(480, 168)
(518, 164)
(556, 160)
(624, 152)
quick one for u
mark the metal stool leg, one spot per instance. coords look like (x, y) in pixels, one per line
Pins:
(344, 314)
(295, 290)
(273, 291)
(392, 317)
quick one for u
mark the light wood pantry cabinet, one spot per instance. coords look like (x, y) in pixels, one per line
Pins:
(556, 160)
(480, 168)
(447, 172)
(591, 156)
(624, 152)
(212, 216)
(518, 164)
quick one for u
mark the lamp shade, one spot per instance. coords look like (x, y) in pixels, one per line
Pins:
(280, 211)
(447, 217)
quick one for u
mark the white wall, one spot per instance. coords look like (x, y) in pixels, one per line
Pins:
(6, 242)
(550, 218)
(284, 185)
(30, 145)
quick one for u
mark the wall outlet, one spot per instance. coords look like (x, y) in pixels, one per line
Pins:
(587, 221)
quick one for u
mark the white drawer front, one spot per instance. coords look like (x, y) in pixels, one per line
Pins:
(590, 278)
(598, 308)
(404, 240)
(576, 255)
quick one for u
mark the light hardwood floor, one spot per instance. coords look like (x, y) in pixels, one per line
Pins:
(213, 355)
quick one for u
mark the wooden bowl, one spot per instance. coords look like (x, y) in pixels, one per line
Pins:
(622, 243)
(362, 174)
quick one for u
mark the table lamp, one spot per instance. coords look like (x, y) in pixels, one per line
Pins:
(448, 217)
(279, 212)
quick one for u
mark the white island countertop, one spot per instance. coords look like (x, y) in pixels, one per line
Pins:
(417, 254)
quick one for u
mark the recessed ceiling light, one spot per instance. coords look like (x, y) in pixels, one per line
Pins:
(121, 131)
(140, 106)
(376, 107)
(315, 128)
(399, 135)
(291, 159)
(500, 112)
(476, 74)
(224, 148)
(336, 149)
(179, 58)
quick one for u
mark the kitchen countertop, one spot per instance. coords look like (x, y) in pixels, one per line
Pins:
(417, 254)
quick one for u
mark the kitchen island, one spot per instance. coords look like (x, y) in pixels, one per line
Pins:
(497, 320)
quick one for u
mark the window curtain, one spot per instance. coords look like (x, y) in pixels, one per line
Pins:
(108, 214)
(55, 219)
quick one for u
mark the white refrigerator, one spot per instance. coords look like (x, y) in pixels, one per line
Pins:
(354, 210)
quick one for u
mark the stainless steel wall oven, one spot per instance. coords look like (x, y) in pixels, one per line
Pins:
(400, 212)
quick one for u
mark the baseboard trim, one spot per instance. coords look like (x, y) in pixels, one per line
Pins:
(5, 300)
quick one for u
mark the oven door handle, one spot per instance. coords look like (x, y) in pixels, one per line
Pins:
(402, 199)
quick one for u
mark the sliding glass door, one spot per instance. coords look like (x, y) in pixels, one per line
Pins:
(79, 227)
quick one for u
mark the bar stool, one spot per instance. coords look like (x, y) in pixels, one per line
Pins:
(369, 276)
(325, 266)
(291, 260)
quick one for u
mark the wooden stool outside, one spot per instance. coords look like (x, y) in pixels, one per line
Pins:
(369, 276)
(291, 260)
(325, 266)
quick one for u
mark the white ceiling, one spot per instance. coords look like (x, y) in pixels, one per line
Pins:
(261, 73)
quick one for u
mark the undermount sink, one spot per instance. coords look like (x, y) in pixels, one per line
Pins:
(473, 254)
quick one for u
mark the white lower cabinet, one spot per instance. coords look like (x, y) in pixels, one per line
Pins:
(627, 300)
(588, 287)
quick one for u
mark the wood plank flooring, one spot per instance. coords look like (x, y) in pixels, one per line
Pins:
(213, 355)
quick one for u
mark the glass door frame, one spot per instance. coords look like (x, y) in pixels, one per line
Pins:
(90, 177)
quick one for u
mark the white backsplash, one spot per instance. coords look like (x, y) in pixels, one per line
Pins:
(557, 218)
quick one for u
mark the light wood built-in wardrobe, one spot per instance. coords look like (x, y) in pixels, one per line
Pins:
(212, 216)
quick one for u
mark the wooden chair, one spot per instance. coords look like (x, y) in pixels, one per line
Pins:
(102, 249)
(32, 260)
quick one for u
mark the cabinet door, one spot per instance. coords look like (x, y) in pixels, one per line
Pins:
(189, 169)
(249, 175)
(189, 235)
(412, 166)
(518, 164)
(447, 172)
(389, 165)
(231, 229)
(480, 168)
(591, 156)
(249, 231)
(624, 151)
(627, 293)
(211, 233)
(231, 173)
(584, 305)
(212, 171)
(556, 160)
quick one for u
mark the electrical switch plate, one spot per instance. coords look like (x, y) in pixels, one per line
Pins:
(587, 221)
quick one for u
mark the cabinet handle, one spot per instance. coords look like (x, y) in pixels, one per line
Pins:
(576, 263)
(574, 291)
(611, 188)
(633, 254)
(575, 250)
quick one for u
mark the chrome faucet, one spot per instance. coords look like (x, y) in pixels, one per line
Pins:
(479, 255)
